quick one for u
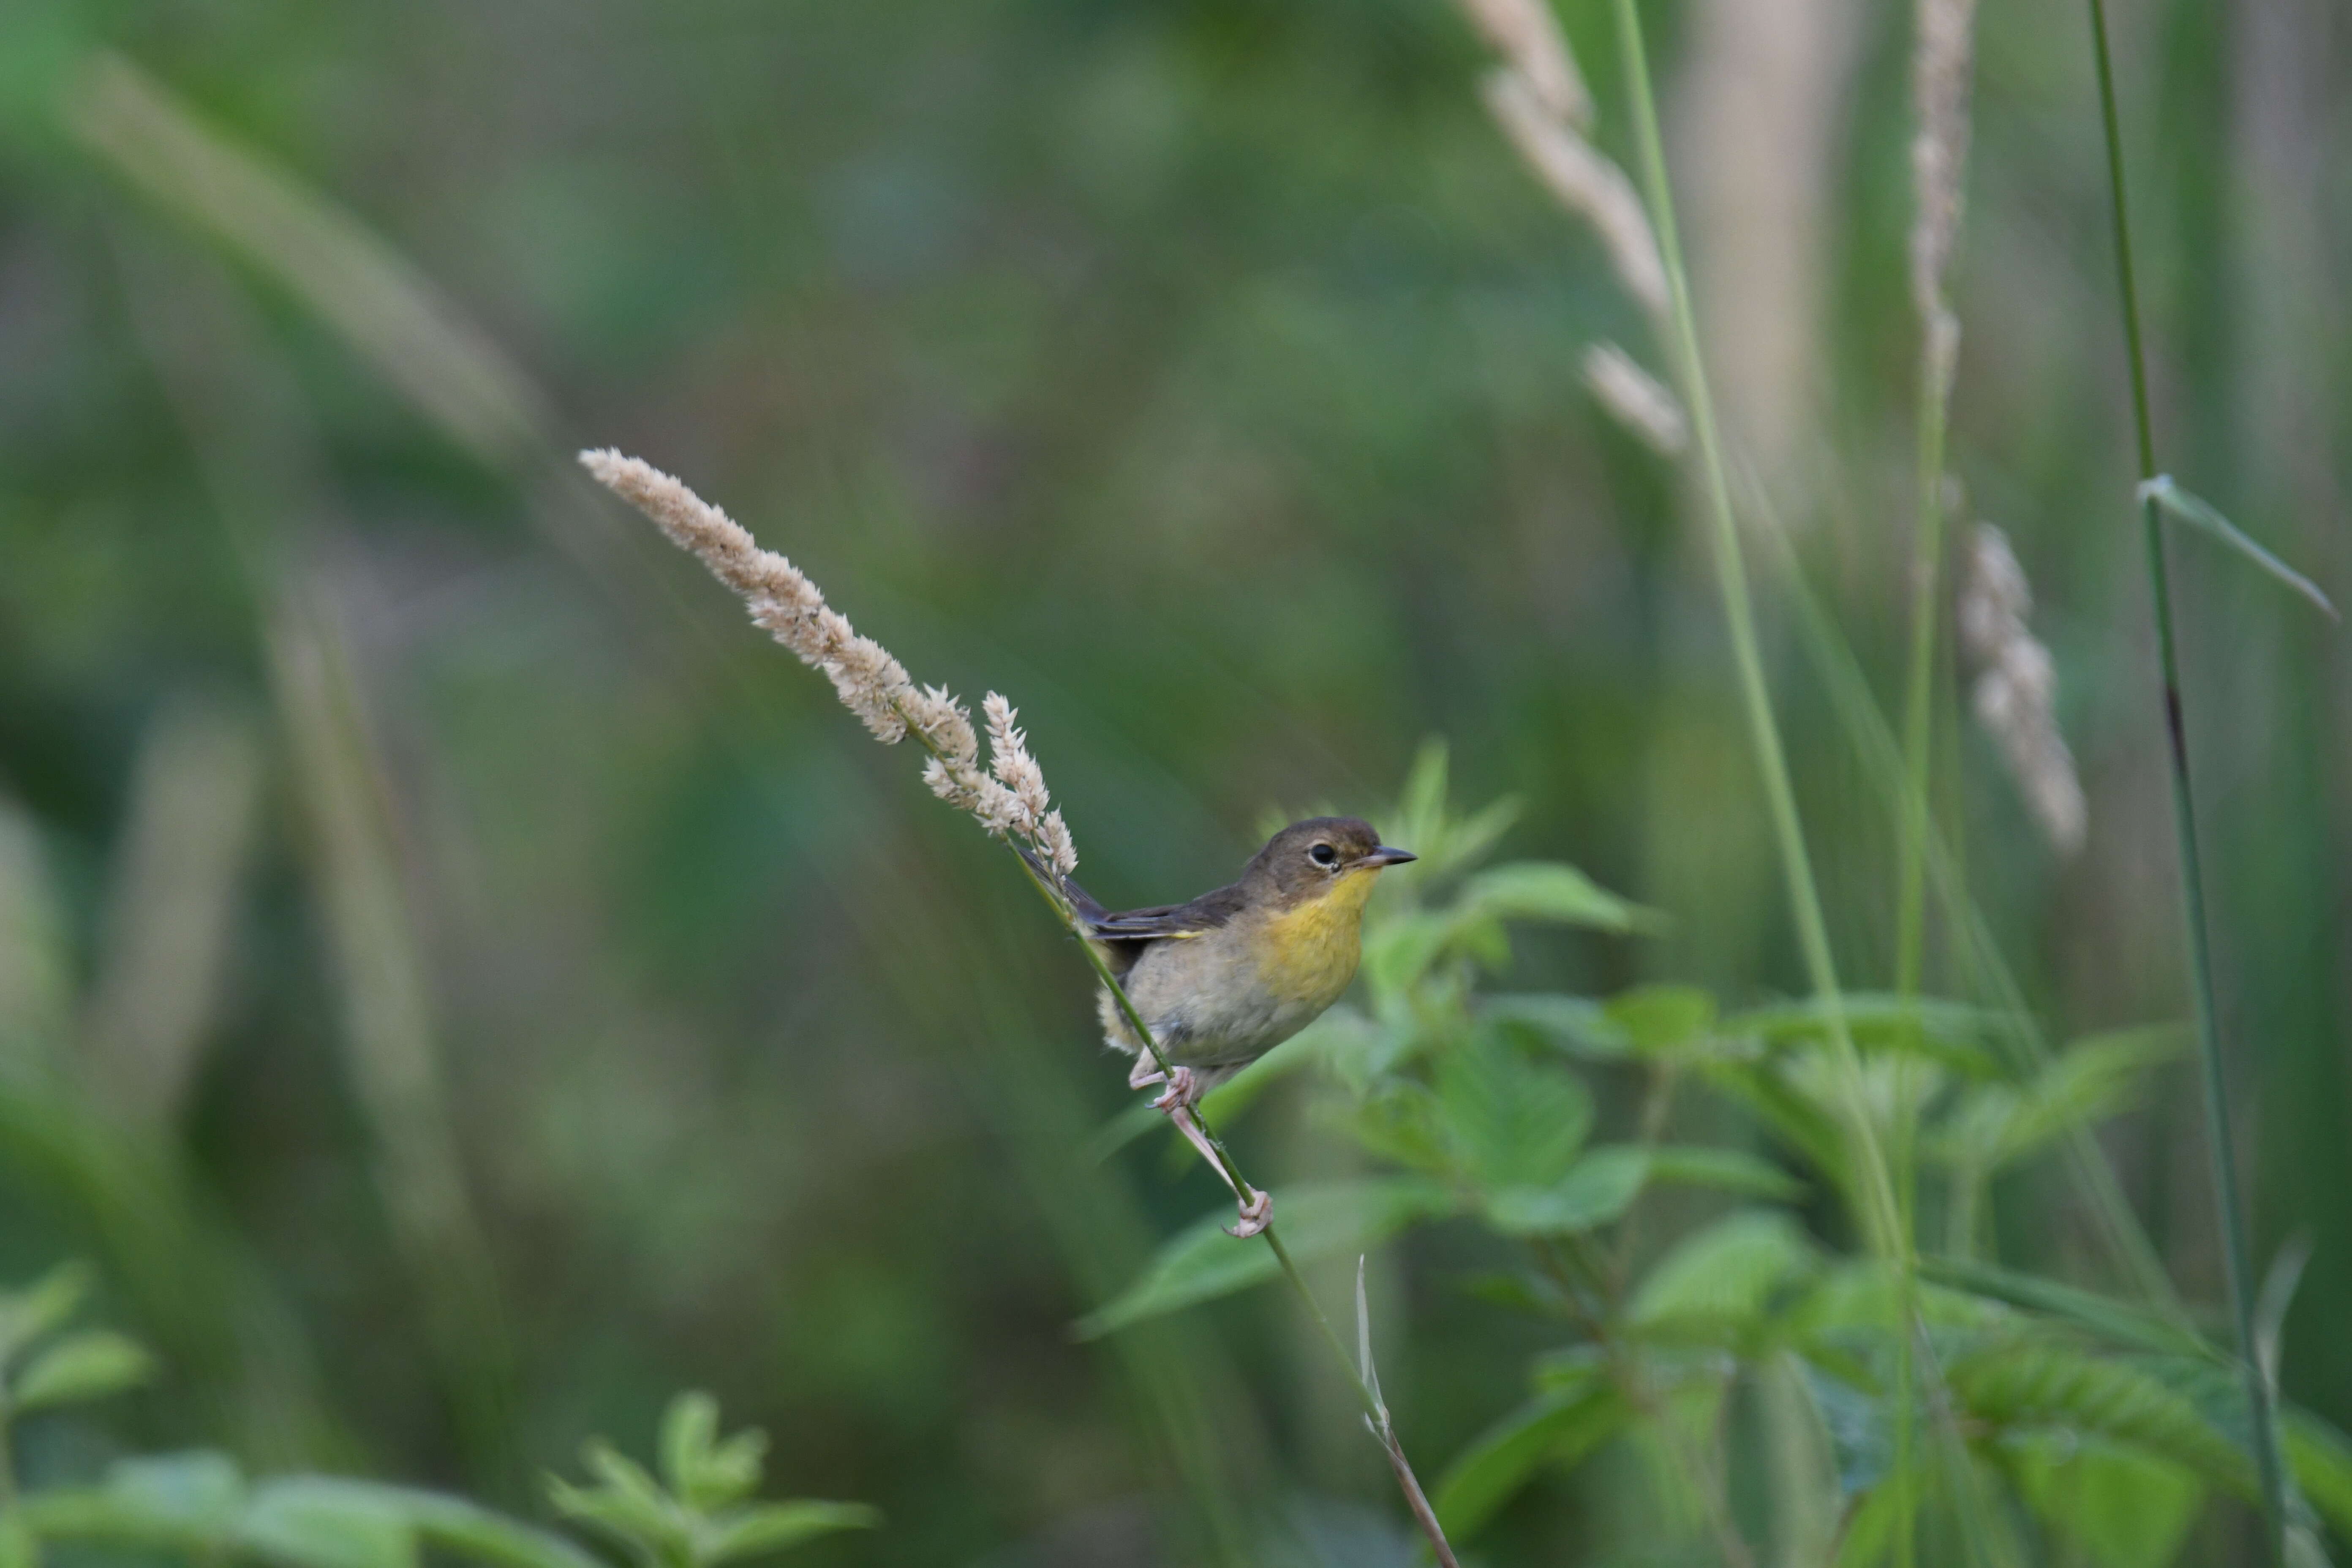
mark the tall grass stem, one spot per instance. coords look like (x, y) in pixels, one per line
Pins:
(2221, 1143)
(1875, 1197)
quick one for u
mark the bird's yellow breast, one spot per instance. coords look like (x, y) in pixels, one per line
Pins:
(1308, 953)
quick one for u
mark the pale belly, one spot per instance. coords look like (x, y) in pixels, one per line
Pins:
(1225, 998)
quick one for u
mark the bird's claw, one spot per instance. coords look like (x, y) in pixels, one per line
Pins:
(1255, 1216)
(1184, 1091)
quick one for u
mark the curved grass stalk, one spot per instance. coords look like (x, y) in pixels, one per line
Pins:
(1885, 1212)
(1880, 1213)
(2220, 1141)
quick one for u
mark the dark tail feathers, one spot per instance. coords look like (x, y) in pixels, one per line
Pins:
(1081, 901)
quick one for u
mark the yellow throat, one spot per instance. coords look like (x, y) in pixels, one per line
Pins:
(1308, 953)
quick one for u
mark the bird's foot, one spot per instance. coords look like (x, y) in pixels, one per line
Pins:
(1145, 1072)
(1256, 1215)
(1184, 1091)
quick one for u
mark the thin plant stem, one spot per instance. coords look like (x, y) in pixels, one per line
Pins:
(1376, 1413)
(1884, 1213)
(1911, 852)
(2221, 1140)
(1875, 1197)
(1987, 972)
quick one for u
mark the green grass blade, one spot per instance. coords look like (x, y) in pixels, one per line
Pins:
(2202, 515)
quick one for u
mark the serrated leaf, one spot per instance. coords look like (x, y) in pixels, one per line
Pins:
(1998, 1125)
(90, 1364)
(1561, 1427)
(1723, 1276)
(2030, 1384)
(773, 1527)
(2202, 515)
(1559, 894)
(1963, 1037)
(315, 1521)
(1597, 1189)
(1576, 1026)
(1510, 1121)
(1402, 1122)
(1202, 1263)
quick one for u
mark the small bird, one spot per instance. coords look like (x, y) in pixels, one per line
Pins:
(1229, 976)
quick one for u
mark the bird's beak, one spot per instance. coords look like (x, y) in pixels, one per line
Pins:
(1384, 856)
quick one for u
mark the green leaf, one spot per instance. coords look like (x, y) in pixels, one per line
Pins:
(1402, 1122)
(2090, 1081)
(1574, 1025)
(1597, 1189)
(176, 1502)
(90, 1364)
(689, 1427)
(1202, 1262)
(316, 1521)
(1723, 1276)
(2201, 514)
(1551, 891)
(2117, 1322)
(1723, 1170)
(454, 1525)
(1663, 1020)
(1399, 951)
(1510, 1121)
(2122, 1508)
(2321, 1458)
(625, 1502)
(1604, 1182)
(41, 1308)
(1964, 1037)
(2031, 1384)
(1560, 1427)
(773, 1527)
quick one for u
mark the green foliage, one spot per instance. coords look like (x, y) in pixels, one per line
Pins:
(45, 1366)
(1318, 1221)
(1574, 1415)
(201, 1506)
(699, 1513)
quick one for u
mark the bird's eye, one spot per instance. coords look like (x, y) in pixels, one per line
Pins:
(1324, 855)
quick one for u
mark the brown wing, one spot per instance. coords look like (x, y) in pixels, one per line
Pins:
(1124, 935)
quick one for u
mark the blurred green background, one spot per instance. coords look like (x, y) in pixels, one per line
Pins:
(461, 984)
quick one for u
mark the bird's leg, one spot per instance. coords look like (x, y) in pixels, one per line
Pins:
(1182, 1093)
(1257, 1209)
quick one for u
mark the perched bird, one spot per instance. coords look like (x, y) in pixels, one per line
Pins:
(1229, 976)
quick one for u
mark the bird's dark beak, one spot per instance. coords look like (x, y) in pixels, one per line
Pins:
(1384, 856)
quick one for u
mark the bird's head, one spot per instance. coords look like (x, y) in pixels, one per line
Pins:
(1321, 858)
